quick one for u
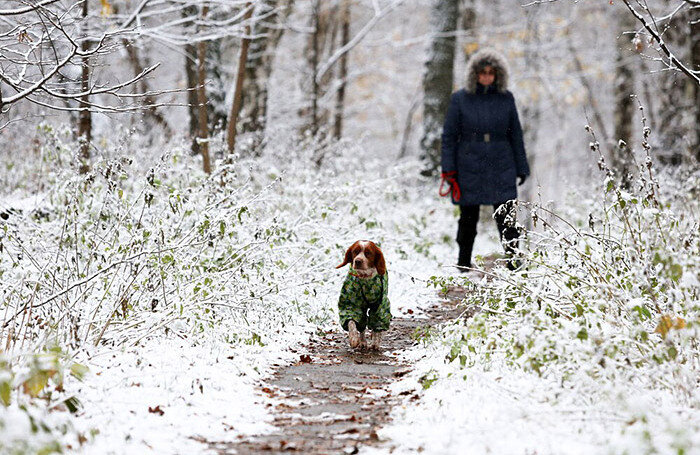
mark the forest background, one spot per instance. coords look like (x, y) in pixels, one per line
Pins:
(188, 171)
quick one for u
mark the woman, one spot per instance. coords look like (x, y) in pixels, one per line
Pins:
(483, 152)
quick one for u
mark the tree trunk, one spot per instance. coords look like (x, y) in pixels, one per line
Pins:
(532, 110)
(218, 86)
(621, 154)
(137, 67)
(343, 72)
(695, 66)
(675, 103)
(315, 18)
(85, 116)
(259, 66)
(192, 91)
(203, 136)
(238, 90)
(438, 78)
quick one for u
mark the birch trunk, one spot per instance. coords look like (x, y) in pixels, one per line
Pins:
(438, 78)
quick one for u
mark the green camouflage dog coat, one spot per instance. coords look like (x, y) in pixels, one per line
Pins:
(365, 301)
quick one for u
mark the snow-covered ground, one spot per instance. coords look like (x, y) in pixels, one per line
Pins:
(212, 284)
(172, 364)
(554, 365)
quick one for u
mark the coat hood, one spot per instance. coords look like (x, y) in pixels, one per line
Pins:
(493, 58)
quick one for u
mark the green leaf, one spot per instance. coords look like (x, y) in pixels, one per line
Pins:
(672, 352)
(676, 272)
(78, 371)
(73, 404)
(36, 383)
(5, 392)
(241, 211)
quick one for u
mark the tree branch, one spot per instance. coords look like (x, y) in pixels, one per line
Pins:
(662, 44)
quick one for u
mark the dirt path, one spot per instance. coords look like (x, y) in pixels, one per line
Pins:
(334, 399)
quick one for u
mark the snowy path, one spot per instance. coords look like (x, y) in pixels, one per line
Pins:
(334, 400)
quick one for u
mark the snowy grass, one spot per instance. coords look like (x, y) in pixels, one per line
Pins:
(180, 292)
(592, 347)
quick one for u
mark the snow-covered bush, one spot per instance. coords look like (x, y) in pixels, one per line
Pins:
(30, 389)
(146, 247)
(607, 300)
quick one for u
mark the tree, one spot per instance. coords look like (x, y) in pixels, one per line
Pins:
(238, 89)
(267, 32)
(695, 66)
(85, 116)
(624, 87)
(44, 41)
(203, 121)
(669, 26)
(438, 78)
(343, 71)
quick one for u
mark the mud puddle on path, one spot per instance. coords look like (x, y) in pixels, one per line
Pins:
(335, 399)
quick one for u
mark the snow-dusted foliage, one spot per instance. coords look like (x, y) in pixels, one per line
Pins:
(596, 335)
(179, 291)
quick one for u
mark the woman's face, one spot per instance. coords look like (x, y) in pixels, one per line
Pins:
(487, 75)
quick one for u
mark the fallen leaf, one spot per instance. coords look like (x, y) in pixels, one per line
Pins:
(156, 410)
(305, 358)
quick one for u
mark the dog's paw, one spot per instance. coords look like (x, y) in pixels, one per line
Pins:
(375, 340)
(355, 339)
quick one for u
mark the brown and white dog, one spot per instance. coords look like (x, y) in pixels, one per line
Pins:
(364, 302)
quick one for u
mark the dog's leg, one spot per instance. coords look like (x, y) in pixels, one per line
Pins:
(374, 340)
(363, 341)
(354, 335)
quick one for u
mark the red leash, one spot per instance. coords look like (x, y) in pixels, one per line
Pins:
(453, 186)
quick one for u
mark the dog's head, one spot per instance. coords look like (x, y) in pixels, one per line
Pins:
(365, 257)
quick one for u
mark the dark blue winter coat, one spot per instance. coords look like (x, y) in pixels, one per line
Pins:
(483, 142)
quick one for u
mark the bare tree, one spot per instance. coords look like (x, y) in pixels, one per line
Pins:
(85, 116)
(532, 111)
(44, 39)
(695, 66)
(322, 56)
(137, 66)
(668, 25)
(343, 71)
(238, 89)
(313, 63)
(203, 121)
(624, 85)
(267, 32)
(438, 78)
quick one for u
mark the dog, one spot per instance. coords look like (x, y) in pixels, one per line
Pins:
(364, 301)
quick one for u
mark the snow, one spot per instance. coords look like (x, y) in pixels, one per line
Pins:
(204, 392)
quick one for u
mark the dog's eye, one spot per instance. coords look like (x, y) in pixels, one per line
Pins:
(368, 254)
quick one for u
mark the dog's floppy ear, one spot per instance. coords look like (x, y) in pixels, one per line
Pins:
(348, 257)
(379, 262)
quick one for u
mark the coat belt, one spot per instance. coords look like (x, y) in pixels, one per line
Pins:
(485, 137)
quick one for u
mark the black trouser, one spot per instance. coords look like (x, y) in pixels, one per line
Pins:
(504, 213)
